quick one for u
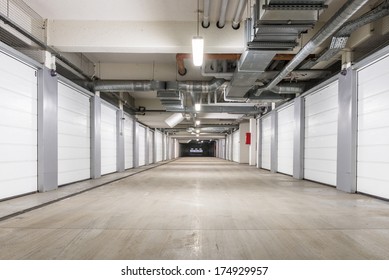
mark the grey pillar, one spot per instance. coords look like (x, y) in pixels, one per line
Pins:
(274, 142)
(95, 137)
(47, 131)
(259, 143)
(136, 145)
(298, 140)
(147, 146)
(347, 133)
(120, 157)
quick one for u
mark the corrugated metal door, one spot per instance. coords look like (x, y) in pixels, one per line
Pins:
(142, 144)
(151, 147)
(373, 129)
(236, 146)
(73, 135)
(285, 140)
(158, 145)
(108, 139)
(266, 143)
(18, 128)
(321, 128)
(128, 141)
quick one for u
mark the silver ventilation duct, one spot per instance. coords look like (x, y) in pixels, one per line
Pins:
(127, 85)
(347, 11)
(339, 40)
(199, 86)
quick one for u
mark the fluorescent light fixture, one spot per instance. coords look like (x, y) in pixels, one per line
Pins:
(197, 135)
(197, 139)
(197, 50)
(197, 130)
(174, 119)
(198, 122)
(197, 107)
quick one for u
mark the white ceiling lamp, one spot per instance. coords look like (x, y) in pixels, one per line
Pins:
(198, 122)
(198, 43)
(197, 130)
(197, 107)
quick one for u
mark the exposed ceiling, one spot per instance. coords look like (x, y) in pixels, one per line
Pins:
(138, 41)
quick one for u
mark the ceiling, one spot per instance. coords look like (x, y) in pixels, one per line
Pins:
(125, 40)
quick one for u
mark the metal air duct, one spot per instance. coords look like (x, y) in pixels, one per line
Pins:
(126, 85)
(347, 11)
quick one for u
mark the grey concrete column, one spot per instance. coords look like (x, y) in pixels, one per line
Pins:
(253, 145)
(120, 156)
(47, 131)
(274, 142)
(136, 145)
(347, 133)
(298, 140)
(95, 137)
(259, 143)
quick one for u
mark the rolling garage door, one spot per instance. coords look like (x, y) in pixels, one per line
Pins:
(321, 125)
(235, 146)
(266, 142)
(128, 142)
(158, 146)
(285, 140)
(108, 139)
(142, 144)
(151, 146)
(373, 129)
(73, 135)
(18, 128)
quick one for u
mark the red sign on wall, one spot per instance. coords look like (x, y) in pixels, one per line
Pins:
(248, 138)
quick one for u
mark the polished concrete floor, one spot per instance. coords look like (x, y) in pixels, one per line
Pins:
(203, 208)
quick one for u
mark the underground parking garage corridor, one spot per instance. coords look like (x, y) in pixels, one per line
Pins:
(202, 208)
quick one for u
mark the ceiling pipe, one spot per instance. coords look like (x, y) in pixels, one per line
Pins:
(345, 13)
(223, 56)
(238, 14)
(126, 85)
(207, 5)
(222, 18)
(199, 86)
(339, 40)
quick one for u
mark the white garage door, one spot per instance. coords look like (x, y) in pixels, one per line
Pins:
(142, 145)
(236, 146)
(321, 128)
(18, 128)
(158, 145)
(151, 147)
(373, 129)
(285, 140)
(128, 142)
(73, 135)
(266, 143)
(108, 139)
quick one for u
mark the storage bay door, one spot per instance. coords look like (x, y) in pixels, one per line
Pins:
(142, 144)
(128, 142)
(285, 140)
(266, 143)
(108, 139)
(18, 128)
(73, 135)
(236, 146)
(321, 129)
(373, 129)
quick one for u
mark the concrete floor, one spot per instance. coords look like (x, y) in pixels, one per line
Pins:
(203, 208)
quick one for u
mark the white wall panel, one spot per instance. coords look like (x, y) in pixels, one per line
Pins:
(108, 139)
(266, 143)
(128, 142)
(73, 135)
(285, 140)
(151, 146)
(373, 129)
(158, 146)
(18, 128)
(321, 125)
(142, 144)
(236, 146)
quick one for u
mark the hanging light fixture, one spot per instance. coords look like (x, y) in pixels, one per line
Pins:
(198, 43)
